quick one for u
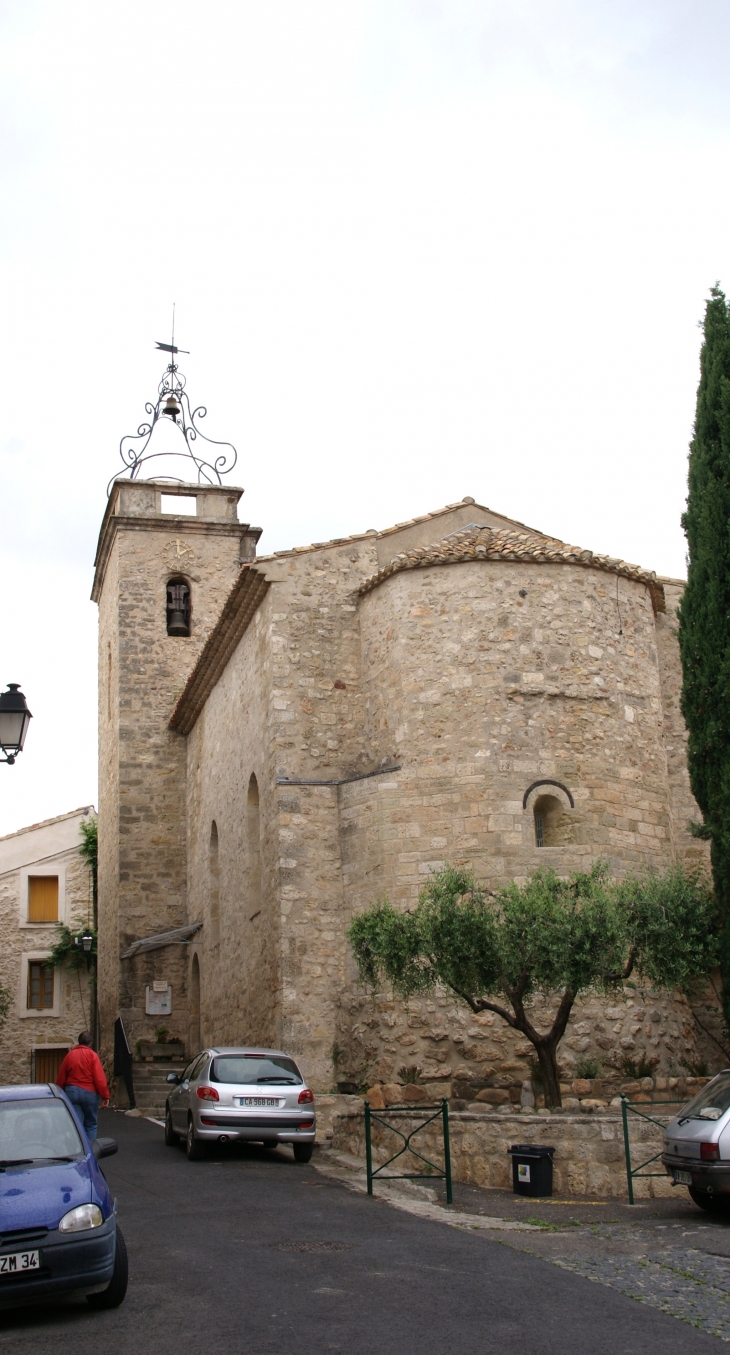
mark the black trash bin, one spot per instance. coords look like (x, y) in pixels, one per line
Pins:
(532, 1169)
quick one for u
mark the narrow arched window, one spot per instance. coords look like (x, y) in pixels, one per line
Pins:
(195, 1039)
(214, 885)
(253, 843)
(552, 825)
(178, 607)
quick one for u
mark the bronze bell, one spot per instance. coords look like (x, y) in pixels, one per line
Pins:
(172, 406)
(178, 609)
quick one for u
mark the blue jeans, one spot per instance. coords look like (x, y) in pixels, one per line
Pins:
(86, 1105)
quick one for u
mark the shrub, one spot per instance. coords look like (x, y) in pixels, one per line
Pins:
(588, 1068)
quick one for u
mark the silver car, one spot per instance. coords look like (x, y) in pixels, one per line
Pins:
(697, 1145)
(257, 1095)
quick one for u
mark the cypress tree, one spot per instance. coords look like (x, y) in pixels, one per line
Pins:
(704, 631)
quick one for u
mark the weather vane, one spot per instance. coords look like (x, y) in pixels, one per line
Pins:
(173, 403)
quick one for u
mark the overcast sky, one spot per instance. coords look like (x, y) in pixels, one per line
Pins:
(419, 250)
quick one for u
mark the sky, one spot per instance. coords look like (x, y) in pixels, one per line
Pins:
(419, 249)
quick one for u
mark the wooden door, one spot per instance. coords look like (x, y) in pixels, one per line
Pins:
(47, 1063)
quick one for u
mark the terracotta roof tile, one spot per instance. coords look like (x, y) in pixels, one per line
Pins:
(485, 543)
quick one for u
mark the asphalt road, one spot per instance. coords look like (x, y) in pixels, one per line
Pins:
(249, 1252)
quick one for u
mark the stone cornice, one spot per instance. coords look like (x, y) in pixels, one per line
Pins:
(144, 496)
(169, 524)
(247, 593)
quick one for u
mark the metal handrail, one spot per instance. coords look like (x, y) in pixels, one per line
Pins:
(632, 1172)
(436, 1173)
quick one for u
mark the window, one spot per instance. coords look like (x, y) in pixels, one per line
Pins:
(553, 825)
(253, 843)
(43, 898)
(182, 505)
(39, 1128)
(194, 1028)
(214, 869)
(40, 986)
(178, 607)
(248, 1069)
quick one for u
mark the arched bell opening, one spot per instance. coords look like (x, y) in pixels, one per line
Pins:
(178, 607)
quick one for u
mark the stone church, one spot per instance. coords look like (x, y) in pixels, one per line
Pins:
(285, 738)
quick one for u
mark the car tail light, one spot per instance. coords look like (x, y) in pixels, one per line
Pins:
(306, 1095)
(207, 1094)
(709, 1152)
(207, 1119)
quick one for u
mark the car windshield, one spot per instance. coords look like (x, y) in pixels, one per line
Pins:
(37, 1130)
(274, 1069)
(711, 1102)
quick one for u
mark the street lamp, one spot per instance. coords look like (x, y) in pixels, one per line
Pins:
(14, 720)
(87, 940)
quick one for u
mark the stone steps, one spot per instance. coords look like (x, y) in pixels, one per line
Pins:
(151, 1086)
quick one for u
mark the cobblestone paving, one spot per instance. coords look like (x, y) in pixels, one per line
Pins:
(684, 1283)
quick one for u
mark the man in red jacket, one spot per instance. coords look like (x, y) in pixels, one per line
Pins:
(82, 1078)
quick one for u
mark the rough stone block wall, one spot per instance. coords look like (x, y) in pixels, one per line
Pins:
(482, 692)
(448, 1043)
(589, 1160)
(240, 967)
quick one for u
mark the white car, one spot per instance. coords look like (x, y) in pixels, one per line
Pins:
(257, 1095)
(697, 1145)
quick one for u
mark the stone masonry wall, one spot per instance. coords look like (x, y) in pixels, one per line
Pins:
(142, 876)
(483, 692)
(476, 692)
(291, 695)
(589, 1160)
(239, 962)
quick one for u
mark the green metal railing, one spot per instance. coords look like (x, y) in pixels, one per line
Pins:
(627, 1108)
(399, 1112)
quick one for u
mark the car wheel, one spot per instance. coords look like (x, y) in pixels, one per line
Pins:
(303, 1152)
(113, 1295)
(193, 1146)
(712, 1204)
(171, 1138)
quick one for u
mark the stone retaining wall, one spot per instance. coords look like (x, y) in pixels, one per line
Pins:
(589, 1160)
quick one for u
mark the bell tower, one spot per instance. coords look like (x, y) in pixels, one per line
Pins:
(162, 575)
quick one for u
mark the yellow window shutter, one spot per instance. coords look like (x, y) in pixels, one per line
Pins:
(43, 898)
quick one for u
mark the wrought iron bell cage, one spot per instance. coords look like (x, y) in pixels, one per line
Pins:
(173, 403)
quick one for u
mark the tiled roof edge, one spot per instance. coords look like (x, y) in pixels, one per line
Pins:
(388, 531)
(239, 608)
(484, 543)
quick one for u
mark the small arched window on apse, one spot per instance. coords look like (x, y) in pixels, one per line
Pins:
(178, 607)
(550, 805)
(214, 885)
(253, 846)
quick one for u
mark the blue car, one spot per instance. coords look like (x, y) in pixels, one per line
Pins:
(58, 1224)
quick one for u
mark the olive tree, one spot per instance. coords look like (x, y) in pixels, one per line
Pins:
(550, 936)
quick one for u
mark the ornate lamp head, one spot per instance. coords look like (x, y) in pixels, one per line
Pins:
(173, 403)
